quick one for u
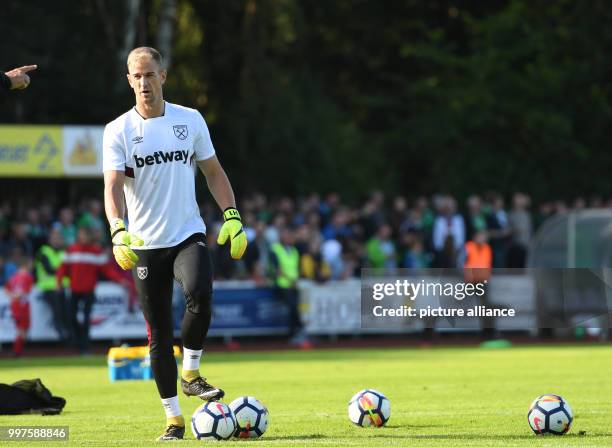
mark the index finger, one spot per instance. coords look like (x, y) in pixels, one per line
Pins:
(27, 68)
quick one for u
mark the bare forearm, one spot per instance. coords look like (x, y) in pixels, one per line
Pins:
(221, 190)
(113, 202)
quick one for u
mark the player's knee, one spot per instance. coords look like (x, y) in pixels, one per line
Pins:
(198, 298)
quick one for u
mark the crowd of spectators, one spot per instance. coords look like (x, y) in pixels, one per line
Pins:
(335, 240)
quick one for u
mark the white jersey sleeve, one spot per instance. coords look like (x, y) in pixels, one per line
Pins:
(113, 152)
(202, 144)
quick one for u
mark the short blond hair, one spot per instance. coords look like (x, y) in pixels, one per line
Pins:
(140, 52)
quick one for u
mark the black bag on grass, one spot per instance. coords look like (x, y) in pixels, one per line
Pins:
(29, 397)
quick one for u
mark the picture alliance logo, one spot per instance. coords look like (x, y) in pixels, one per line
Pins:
(160, 157)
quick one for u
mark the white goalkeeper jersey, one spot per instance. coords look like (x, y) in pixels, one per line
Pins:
(158, 156)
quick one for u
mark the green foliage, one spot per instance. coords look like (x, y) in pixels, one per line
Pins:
(352, 95)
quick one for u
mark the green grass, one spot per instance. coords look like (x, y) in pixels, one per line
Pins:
(441, 397)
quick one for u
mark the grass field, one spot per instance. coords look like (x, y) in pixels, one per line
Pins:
(440, 396)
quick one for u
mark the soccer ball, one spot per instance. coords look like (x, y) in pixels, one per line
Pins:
(550, 414)
(213, 420)
(369, 408)
(251, 417)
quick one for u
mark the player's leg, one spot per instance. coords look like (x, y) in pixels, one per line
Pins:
(193, 270)
(153, 279)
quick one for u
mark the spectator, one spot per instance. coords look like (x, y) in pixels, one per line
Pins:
(413, 223)
(478, 258)
(421, 205)
(7, 269)
(20, 240)
(596, 202)
(4, 228)
(475, 219)
(349, 228)
(92, 218)
(339, 228)
(380, 249)
(545, 211)
(447, 257)
(310, 205)
(285, 261)
(303, 236)
(328, 207)
(499, 231)
(353, 259)
(35, 230)
(252, 255)
(579, 203)
(225, 267)
(312, 264)
(331, 252)
(519, 221)
(46, 215)
(256, 257)
(368, 220)
(19, 287)
(261, 207)
(561, 207)
(66, 225)
(398, 215)
(477, 270)
(48, 260)
(415, 256)
(271, 234)
(82, 263)
(448, 222)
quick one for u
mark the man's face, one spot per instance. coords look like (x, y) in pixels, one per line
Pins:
(83, 236)
(287, 237)
(56, 239)
(146, 79)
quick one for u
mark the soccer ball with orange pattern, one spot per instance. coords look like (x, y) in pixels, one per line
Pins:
(251, 417)
(369, 408)
(550, 414)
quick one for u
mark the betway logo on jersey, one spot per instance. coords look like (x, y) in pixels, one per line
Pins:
(159, 157)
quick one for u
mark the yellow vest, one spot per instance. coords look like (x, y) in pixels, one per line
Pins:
(44, 280)
(288, 264)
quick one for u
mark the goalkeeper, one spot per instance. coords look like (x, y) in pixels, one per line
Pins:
(148, 158)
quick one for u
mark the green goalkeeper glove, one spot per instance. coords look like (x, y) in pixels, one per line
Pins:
(122, 240)
(232, 229)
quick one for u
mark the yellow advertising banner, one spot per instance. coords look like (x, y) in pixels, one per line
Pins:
(30, 151)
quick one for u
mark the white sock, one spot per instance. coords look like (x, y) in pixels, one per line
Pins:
(171, 406)
(191, 358)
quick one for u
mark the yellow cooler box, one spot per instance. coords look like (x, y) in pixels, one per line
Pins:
(131, 363)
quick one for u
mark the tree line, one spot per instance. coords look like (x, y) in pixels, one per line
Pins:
(406, 96)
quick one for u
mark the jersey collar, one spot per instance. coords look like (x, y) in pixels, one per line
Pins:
(147, 119)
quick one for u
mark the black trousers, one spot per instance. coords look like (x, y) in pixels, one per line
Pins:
(291, 297)
(190, 264)
(80, 326)
(56, 302)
